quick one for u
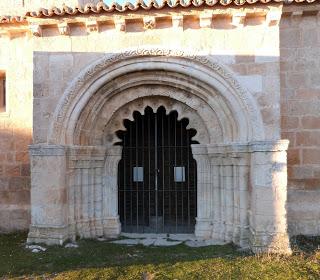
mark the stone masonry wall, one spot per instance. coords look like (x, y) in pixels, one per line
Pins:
(15, 135)
(300, 120)
(252, 51)
(40, 69)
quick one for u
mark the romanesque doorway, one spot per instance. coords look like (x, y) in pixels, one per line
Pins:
(157, 177)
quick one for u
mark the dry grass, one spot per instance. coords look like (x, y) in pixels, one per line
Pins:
(102, 260)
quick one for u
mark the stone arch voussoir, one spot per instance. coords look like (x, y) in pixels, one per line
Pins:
(200, 69)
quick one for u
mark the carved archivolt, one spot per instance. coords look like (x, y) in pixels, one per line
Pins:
(104, 116)
(199, 75)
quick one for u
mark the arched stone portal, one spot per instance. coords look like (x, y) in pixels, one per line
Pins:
(241, 177)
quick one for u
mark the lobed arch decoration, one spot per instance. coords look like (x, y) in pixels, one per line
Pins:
(239, 174)
(199, 75)
(107, 123)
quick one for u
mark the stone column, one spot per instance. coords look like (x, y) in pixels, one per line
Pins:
(216, 185)
(203, 227)
(243, 182)
(268, 221)
(49, 212)
(111, 221)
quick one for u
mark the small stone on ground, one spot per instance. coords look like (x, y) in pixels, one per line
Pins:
(71, 245)
(36, 248)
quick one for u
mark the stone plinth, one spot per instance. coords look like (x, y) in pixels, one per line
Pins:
(49, 223)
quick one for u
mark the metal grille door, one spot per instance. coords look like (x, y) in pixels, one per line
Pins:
(157, 174)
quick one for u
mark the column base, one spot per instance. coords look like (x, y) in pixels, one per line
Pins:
(48, 235)
(274, 243)
(203, 228)
(111, 227)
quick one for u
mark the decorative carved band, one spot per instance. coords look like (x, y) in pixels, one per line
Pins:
(78, 86)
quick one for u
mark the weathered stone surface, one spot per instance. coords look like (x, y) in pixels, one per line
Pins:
(161, 242)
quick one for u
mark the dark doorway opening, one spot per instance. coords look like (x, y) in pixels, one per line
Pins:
(157, 174)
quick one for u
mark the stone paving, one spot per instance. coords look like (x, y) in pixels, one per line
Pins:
(163, 240)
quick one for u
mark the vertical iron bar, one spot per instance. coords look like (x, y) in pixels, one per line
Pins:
(149, 165)
(182, 161)
(143, 191)
(175, 164)
(169, 167)
(188, 151)
(124, 180)
(137, 183)
(131, 175)
(163, 182)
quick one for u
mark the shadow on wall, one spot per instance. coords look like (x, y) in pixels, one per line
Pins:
(14, 178)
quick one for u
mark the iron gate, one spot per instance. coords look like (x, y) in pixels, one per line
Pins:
(157, 174)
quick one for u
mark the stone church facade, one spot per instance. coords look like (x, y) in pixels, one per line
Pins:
(184, 117)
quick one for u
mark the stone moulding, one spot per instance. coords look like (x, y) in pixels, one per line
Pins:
(107, 123)
(94, 76)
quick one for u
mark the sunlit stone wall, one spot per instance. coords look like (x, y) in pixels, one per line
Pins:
(273, 60)
(300, 118)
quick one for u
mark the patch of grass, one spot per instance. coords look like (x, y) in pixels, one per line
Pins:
(103, 260)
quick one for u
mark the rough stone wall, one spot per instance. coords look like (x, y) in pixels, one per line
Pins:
(300, 120)
(15, 134)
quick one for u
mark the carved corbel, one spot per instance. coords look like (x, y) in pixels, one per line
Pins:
(92, 26)
(238, 19)
(206, 20)
(120, 25)
(149, 22)
(36, 30)
(64, 29)
(177, 22)
(273, 18)
(297, 13)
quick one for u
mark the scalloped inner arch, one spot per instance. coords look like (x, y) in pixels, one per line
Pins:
(184, 122)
